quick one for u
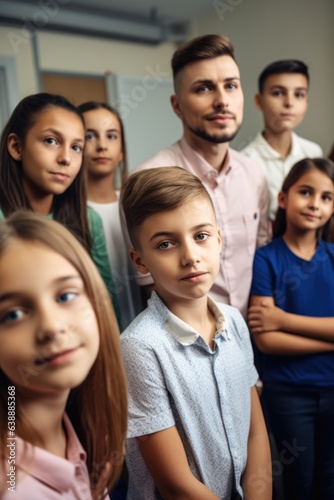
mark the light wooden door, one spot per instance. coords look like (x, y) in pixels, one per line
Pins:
(77, 89)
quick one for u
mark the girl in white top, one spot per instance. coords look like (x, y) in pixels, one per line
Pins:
(105, 162)
(58, 334)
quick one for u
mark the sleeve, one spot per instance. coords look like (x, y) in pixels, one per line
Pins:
(262, 282)
(100, 256)
(264, 229)
(148, 398)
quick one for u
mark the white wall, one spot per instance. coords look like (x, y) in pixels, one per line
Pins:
(263, 31)
(61, 52)
(78, 54)
(17, 43)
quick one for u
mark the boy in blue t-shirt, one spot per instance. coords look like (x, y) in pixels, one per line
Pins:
(196, 428)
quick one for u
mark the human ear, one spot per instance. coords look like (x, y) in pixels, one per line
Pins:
(137, 261)
(14, 147)
(176, 107)
(219, 236)
(257, 101)
(282, 199)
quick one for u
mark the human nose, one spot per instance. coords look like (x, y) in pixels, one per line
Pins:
(101, 144)
(220, 98)
(288, 100)
(190, 254)
(50, 324)
(314, 202)
(64, 156)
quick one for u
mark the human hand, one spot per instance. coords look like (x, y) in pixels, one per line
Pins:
(265, 317)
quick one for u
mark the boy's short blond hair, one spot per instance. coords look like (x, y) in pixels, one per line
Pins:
(154, 190)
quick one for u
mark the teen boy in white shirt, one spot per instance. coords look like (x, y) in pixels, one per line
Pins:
(283, 100)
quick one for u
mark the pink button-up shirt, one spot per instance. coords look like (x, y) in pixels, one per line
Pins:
(241, 200)
(41, 475)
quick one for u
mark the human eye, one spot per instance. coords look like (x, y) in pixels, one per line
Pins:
(90, 136)
(66, 297)
(77, 148)
(277, 93)
(300, 95)
(327, 197)
(231, 86)
(165, 245)
(305, 192)
(202, 236)
(50, 140)
(12, 316)
(201, 89)
(112, 137)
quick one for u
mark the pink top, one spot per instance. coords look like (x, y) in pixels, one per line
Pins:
(41, 475)
(240, 196)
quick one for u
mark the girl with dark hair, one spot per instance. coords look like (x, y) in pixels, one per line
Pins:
(59, 339)
(291, 317)
(41, 153)
(106, 169)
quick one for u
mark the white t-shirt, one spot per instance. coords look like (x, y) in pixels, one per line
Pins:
(275, 166)
(127, 290)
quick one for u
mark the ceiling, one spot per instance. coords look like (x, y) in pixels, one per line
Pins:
(147, 21)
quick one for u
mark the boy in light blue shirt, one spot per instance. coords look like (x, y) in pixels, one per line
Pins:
(196, 428)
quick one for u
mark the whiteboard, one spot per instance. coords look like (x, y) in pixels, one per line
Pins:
(144, 105)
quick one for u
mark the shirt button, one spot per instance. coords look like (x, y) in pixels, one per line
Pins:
(212, 174)
(212, 178)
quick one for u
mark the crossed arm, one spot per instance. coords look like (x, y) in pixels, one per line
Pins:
(278, 332)
(166, 460)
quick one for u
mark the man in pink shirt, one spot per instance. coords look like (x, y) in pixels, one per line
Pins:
(209, 101)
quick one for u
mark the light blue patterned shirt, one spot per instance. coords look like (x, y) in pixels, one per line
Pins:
(175, 378)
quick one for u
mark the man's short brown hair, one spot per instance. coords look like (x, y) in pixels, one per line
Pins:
(200, 48)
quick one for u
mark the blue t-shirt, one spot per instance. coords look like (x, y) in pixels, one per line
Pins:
(299, 287)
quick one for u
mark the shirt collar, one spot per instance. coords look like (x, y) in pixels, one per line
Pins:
(295, 147)
(198, 163)
(185, 334)
(266, 150)
(226, 167)
(269, 152)
(38, 462)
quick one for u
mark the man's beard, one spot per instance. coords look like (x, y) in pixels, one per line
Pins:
(214, 138)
